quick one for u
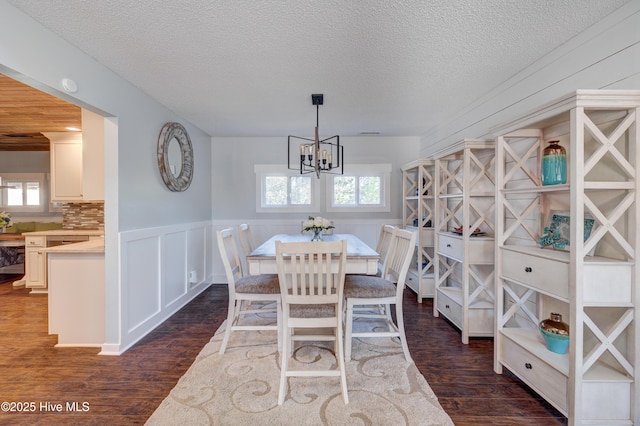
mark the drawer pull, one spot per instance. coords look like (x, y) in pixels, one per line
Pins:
(448, 245)
(528, 269)
(446, 306)
(528, 366)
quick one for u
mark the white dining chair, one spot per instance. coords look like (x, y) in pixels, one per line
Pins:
(387, 233)
(243, 290)
(246, 240)
(363, 291)
(311, 278)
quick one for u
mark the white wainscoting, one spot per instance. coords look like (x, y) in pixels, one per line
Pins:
(156, 264)
(367, 230)
(156, 267)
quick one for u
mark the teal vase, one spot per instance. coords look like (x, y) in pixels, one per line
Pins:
(554, 164)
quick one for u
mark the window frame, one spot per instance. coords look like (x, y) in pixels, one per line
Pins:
(263, 171)
(24, 178)
(363, 170)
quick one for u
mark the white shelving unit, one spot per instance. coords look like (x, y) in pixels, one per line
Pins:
(418, 212)
(464, 269)
(593, 282)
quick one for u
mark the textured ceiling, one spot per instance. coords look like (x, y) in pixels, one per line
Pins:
(248, 67)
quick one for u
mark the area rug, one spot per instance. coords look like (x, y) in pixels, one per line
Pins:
(240, 387)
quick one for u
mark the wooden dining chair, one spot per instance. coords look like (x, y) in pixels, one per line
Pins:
(311, 278)
(246, 241)
(243, 290)
(387, 233)
(363, 291)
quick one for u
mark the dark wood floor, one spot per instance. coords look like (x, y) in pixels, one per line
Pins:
(125, 390)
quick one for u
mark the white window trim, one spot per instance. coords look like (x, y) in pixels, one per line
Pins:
(383, 170)
(264, 170)
(24, 177)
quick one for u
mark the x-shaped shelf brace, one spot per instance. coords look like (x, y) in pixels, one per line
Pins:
(413, 187)
(520, 219)
(483, 216)
(607, 224)
(607, 342)
(519, 163)
(519, 304)
(413, 211)
(484, 171)
(449, 177)
(449, 271)
(483, 285)
(450, 215)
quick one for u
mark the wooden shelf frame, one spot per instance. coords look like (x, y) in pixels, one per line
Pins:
(418, 208)
(465, 199)
(599, 300)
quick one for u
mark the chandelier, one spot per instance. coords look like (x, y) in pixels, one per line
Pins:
(316, 156)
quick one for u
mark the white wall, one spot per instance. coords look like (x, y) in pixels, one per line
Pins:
(605, 56)
(234, 186)
(135, 196)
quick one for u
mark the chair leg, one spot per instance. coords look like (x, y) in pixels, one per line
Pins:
(279, 322)
(341, 362)
(403, 337)
(348, 330)
(284, 356)
(229, 325)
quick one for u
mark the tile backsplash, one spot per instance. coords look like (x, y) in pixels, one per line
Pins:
(83, 215)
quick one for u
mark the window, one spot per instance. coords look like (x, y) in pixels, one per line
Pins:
(363, 187)
(25, 192)
(281, 190)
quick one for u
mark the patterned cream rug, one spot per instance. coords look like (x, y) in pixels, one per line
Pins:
(241, 387)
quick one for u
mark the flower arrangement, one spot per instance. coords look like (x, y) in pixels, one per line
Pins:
(317, 225)
(5, 220)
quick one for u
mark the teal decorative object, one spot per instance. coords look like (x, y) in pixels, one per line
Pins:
(554, 164)
(555, 333)
(557, 232)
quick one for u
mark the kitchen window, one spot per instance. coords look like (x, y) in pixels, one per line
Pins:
(22, 192)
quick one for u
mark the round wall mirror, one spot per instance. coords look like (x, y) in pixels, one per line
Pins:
(175, 157)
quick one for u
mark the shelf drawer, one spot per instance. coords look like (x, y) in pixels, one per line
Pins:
(480, 249)
(544, 379)
(412, 280)
(547, 275)
(450, 309)
(450, 246)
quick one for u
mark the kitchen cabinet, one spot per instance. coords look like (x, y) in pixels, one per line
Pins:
(464, 271)
(34, 264)
(77, 161)
(418, 214)
(36, 243)
(76, 294)
(570, 248)
(66, 166)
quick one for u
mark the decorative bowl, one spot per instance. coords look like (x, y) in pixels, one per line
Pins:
(557, 343)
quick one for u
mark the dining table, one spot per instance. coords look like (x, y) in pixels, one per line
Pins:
(361, 259)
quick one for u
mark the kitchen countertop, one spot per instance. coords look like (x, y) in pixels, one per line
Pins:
(91, 246)
(62, 232)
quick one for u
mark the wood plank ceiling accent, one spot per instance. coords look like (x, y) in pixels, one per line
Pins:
(25, 112)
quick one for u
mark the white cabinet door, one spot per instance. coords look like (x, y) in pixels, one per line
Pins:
(35, 263)
(66, 166)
